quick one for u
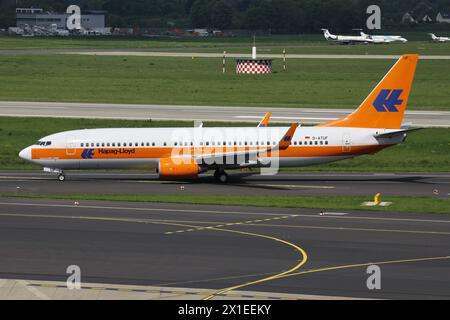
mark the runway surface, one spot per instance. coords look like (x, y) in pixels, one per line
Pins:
(283, 184)
(220, 248)
(143, 53)
(202, 113)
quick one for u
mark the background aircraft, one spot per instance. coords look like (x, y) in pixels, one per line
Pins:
(439, 39)
(345, 39)
(384, 39)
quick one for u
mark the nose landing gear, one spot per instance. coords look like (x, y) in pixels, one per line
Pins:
(60, 172)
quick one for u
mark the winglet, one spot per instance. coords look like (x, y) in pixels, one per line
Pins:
(265, 121)
(285, 142)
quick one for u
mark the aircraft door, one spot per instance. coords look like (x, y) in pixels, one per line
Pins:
(346, 143)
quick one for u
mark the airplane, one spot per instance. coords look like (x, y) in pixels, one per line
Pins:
(345, 39)
(384, 39)
(439, 39)
(180, 153)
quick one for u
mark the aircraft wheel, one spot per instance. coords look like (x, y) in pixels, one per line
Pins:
(61, 177)
(221, 176)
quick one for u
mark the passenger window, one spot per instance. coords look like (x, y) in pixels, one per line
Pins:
(153, 144)
(142, 144)
(136, 144)
(315, 142)
(82, 144)
(310, 143)
(113, 144)
(295, 143)
(207, 143)
(103, 144)
(321, 142)
(98, 144)
(164, 144)
(107, 144)
(92, 144)
(326, 142)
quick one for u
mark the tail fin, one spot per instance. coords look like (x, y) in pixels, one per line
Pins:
(384, 107)
(326, 33)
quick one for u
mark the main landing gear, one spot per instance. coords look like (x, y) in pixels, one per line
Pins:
(221, 176)
(61, 177)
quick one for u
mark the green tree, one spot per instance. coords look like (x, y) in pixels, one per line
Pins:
(222, 15)
(259, 15)
(201, 13)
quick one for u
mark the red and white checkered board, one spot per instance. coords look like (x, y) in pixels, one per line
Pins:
(254, 66)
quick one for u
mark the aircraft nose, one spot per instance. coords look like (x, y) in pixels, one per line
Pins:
(25, 154)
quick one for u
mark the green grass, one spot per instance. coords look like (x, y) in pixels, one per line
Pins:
(307, 44)
(325, 83)
(399, 204)
(426, 150)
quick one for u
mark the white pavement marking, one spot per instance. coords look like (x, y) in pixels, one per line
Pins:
(335, 213)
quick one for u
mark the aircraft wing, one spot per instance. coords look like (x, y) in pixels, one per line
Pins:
(217, 157)
(265, 121)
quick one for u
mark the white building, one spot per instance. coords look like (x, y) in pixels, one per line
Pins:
(90, 20)
(443, 18)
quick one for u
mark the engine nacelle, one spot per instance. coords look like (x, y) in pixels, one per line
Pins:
(169, 167)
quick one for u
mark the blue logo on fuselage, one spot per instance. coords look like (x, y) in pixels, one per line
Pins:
(87, 153)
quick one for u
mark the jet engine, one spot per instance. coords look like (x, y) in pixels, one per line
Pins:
(178, 167)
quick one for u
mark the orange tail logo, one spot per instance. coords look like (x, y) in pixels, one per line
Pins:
(385, 106)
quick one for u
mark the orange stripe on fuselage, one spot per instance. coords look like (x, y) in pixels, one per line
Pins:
(142, 153)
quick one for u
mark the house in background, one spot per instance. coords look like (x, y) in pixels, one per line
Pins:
(443, 17)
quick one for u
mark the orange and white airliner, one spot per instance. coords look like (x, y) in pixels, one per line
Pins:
(187, 152)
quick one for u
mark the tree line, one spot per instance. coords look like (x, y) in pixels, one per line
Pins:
(277, 16)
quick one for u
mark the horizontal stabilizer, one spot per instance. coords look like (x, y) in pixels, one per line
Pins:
(395, 133)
